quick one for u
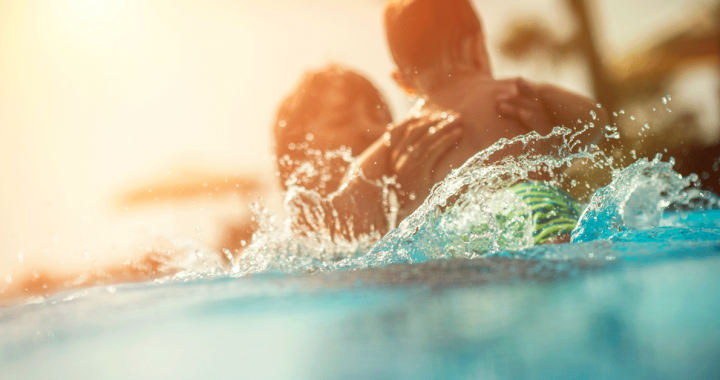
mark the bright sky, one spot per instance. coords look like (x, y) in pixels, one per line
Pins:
(97, 95)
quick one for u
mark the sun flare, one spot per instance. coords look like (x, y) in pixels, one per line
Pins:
(95, 11)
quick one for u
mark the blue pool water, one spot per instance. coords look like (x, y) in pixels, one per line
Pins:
(642, 304)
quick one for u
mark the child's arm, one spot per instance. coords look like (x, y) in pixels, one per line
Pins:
(357, 207)
(409, 151)
(414, 157)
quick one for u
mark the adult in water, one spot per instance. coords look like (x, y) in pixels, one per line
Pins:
(336, 108)
(441, 57)
(330, 109)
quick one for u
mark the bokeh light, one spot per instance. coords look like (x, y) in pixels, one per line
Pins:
(95, 11)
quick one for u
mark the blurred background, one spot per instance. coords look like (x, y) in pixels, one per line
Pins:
(122, 121)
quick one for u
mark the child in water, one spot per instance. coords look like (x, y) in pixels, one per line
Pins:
(439, 49)
(440, 53)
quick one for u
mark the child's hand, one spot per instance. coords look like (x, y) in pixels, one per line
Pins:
(524, 104)
(416, 145)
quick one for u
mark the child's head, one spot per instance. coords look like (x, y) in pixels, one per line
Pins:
(331, 108)
(431, 40)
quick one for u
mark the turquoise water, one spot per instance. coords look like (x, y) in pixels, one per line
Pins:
(633, 310)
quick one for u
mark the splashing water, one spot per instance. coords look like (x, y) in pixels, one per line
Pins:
(446, 224)
(470, 214)
(613, 318)
(636, 200)
(475, 194)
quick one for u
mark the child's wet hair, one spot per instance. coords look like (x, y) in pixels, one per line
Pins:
(305, 104)
(422, 33)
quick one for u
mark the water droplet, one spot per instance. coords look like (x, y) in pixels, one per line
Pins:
(309, 137)
(632, 118)
(110, 289)
(664, 100)
(229, 256)
(8, 278)
(282, 123)
(622, 112)
(20, 257)
(593, 114)
(615, 114)
(598, 105)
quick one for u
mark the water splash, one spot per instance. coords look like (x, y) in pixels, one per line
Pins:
(470, 214)
(475, 194)
(637, 198)
(446, 224)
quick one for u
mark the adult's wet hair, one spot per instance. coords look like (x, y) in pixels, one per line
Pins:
(306, 102)
(423, 33)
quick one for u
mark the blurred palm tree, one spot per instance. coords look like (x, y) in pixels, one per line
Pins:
(640, 74)
(635, 79)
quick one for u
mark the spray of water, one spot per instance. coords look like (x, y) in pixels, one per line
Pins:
(462, 216)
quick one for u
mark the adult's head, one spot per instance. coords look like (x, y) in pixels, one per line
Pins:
(331, 108)
(434, 40)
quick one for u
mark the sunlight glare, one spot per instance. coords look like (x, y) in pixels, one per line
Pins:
(95, 11)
